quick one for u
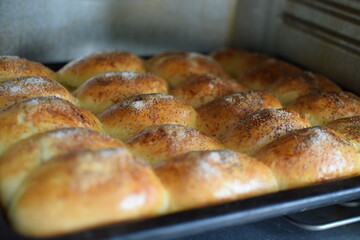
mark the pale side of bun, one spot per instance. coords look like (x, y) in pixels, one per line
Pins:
(217, 116)
(107, 89)
(86, 189)
(28, 154)
(253, 132)
(309, 156)
(155, 144)
(35, 115)
(204, 88)
(136, 113)
(79, 70)
(21, 88)
(13, 67)
(202, 178)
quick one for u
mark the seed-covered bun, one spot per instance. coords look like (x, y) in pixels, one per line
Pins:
(86, 189)
(290, 87)
(155, 144)
(106, 89)
(78, 71)
(204, 88)
(253, 132)
(35, 115)
(177, 67)
(217, 116)
(13, 66)
(136, 113)
(21, 88)
(207, 177)
(28, 154)
(323, 107)
(308, 156)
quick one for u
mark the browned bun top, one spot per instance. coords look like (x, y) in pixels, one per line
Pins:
(155, 144)
(207, 177)
(216, 116)
(309, 155)
(177, 67)
(86, 189)
(256, 130)
(106, 89)
(133, 114)
(26, 155)
(290, 87)
(237, 62)
(78, 71)
(35, 115)
(13, 66)
(204, 88)
(349, 128)
(20, 88)
(323, 107)
(267, 73)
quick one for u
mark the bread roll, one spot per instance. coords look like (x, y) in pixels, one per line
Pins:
(136, 113)
(290, 87)
(35, 115)
(106, 89)
(13, 66)
(204, 88)
(217, 116)
(177, 67)
(86, 189)
(308, 156)
(253, 132)
(267, 73)
(28, 154)
(20, 88)
(78, 71)
(349, 128)
(202, 178)
(323, 107)
(155, 144)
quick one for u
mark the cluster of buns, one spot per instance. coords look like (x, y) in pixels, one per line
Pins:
(112, 137)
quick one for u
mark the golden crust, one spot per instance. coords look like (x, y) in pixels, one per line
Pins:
(13, 67)
(253, 132)
(207, 177)
(308, 156)
(86, 189)
(204, 88)
(155, 144)
(217, 116)
(323, 107)
(78, 71)
(28, 154)
(136, 113)
(107, 89)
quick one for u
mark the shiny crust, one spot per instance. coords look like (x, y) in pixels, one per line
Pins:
(21, 88)
(207, 177)
(155, 144)
(308, 156)
(13, 66)
(85, 189)
(107, 89)
(253, 132)
(28, 154)
(41, 114)
(323, 107)
(136, 113)
(78, 71)
(204, 88)
(177, 67)
(217, 116)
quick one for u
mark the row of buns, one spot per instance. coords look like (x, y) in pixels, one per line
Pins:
(112, 137)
